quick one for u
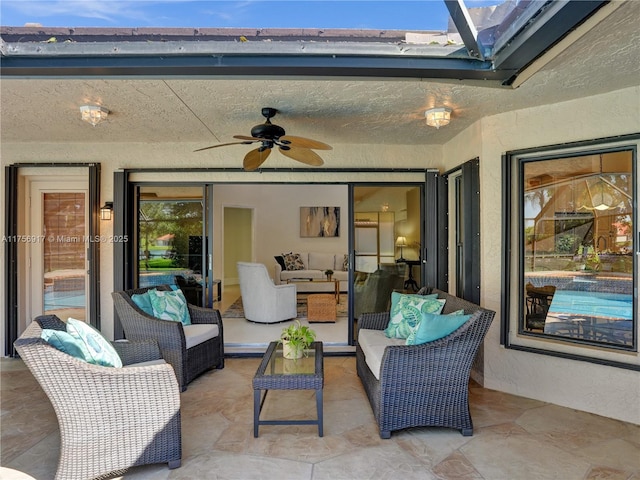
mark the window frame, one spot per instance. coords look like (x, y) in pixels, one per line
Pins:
(513, 335)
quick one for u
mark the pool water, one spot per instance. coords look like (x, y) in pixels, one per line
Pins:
(592, 304)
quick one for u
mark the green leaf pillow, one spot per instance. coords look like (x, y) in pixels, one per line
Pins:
(170, 305)
(433, 327)
(406, 312)
(97, 349)
(396, 296)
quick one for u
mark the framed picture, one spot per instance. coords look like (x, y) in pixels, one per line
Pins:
(319, 221)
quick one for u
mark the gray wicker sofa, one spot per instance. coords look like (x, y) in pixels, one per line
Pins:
(89, 398)
(428, 384)
(188, 363)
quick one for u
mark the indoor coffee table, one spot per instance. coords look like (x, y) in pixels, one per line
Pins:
(278, 373)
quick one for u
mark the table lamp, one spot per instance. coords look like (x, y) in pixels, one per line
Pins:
(401, 242)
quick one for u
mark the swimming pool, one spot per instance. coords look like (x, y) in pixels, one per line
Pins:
(616, 306)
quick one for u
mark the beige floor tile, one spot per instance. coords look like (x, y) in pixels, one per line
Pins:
(514, 438)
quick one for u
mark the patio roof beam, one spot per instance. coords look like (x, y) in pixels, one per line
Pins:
(248, 65)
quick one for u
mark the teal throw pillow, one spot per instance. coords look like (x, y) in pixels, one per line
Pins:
(64, 342)
(170, 305)
(97, 349)
(396, 296)
(143, 302)
(406, 312)
(433, 327)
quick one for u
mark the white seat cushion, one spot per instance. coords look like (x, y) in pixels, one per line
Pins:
(297, 274)
(373, 343)
(195, 334)
(321, 261)
(159, 361)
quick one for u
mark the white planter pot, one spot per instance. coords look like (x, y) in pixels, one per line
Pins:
(289, 352)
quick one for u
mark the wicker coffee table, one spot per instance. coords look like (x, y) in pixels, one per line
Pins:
(277, 373)
(321, 308)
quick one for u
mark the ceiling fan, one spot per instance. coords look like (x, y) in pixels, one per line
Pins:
(270, 135)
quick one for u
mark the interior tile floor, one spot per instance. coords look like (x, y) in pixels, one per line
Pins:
(244, 337)
(514, 437)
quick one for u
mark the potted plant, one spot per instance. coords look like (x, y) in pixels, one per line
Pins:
(328, 273)
(295, 339)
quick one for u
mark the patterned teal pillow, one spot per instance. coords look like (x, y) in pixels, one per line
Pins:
(143, 302)
(406, 312)
(97, 349)
(64, 342)
(433, 327)
(396, 296)
(170, 305)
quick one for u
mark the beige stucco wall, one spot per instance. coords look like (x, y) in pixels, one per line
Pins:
(607, 391)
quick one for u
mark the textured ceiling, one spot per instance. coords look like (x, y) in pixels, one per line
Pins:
(204, 112)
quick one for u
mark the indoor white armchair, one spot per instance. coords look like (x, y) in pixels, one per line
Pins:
(262, 300)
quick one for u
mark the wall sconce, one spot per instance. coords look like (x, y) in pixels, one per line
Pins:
(401, 242)
(105, 211)
(93, 114)
(438, 117)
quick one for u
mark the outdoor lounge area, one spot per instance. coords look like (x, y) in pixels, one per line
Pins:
(492, 155)
(514, 437)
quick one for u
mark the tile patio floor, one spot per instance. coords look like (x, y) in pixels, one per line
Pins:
(514, 438)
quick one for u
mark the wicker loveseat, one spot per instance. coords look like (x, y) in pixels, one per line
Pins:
(423, 385)
(187, 361)
(110, 418)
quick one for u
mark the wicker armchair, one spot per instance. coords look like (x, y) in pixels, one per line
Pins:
(89, 398)
(188, 363)
(428, 384)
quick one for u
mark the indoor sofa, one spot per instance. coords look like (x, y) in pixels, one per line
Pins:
(310, 268)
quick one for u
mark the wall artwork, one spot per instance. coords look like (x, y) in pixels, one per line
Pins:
(319, 221)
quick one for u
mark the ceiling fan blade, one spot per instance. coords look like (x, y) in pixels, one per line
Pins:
(244, 137)
(255, 158)
(302, 142)
(303, 155)
(223, 145)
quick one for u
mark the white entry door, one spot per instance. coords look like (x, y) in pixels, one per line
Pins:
(56, 259)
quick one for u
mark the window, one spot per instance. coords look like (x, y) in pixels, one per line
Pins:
(571, 271)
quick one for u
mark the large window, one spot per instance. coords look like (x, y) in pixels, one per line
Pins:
(572, 270)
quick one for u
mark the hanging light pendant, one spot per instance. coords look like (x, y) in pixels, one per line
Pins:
(605, 199)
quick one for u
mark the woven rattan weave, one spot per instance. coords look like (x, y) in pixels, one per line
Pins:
(187, 363)
(110, 419)
(428, 384)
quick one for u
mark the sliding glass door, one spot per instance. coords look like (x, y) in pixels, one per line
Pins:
(387, 243)
(172, 240)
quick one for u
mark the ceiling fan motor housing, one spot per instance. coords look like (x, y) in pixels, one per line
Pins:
(267, 130)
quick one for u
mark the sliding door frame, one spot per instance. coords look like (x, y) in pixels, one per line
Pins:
(427, 179)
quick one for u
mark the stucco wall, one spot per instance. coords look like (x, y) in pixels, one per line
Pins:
(607, 391)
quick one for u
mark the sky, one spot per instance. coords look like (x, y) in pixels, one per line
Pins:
(359, 14)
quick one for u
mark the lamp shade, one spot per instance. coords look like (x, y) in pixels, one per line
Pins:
(401, 242)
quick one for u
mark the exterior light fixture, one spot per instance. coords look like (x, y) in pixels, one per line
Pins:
(438, 117)
(93, 114)
(401, 242)
(105, 211)
(604, 199)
